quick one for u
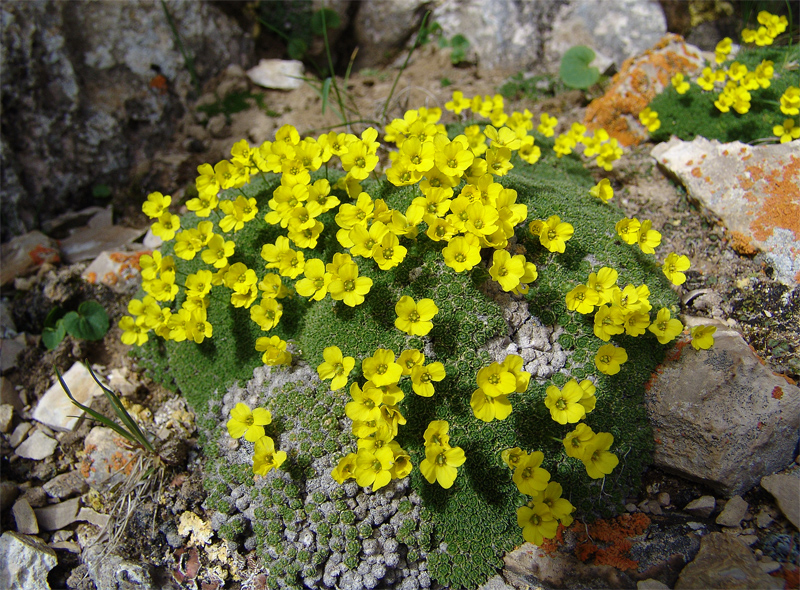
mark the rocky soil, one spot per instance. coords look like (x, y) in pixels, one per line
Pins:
(51, 487)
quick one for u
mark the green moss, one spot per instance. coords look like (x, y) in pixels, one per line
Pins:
(694, 114)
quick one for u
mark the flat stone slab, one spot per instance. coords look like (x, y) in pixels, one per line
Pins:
(720, 416)
(37, 446)
(56, 410)
(56, 516)
(277, 74)
(754, 190)
(785, 488)
(116, 269)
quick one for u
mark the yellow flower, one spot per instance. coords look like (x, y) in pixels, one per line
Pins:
(156, 205)
(265, 457)
(374, 468)
(507, 270)
(315, 282)
(707, 79)
(608, 321)
(422, 377)
(609, 153)
(680, 84)
(237, 213)
(348, 287)
(381, 369)
(488, 408)
(529, 152)
(462, 252)
(603, 190)
(576, 441)
(597, 459)
(648, 238)
(401, 466)
(588, 401)
(409, 359)
(496, 380)
(582, 299)
(603, 282)
(547, 125)
(628, 230)
(513, 457)
(790, 101)
(166, 226)
(218, 251)
(440, 464)
(788, 131)
(248, 423)
(664, 327)
(537, 523)
(560, 508)
(336, 367)
(529, 477)
(649, 118)
(554, 233)
(134, 331)
(674, 266)
(498, 160)
(345, 469)
(358, 162)
(274, 350)
(388, 252)
(365, 406)
(267, 314)
(414, 318)
(513, 364)
(458, 104)
(609, 358)
(703, 337)
(436, 434)
(564, 405)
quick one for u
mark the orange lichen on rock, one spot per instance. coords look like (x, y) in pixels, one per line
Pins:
(639, 80)
(777, 392)
(778, 198)
(607, 540)
(742, 244)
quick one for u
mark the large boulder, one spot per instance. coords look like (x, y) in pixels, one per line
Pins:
(720, 416)
(91, 89)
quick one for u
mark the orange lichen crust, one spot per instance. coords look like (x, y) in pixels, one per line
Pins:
(742, 244)
(639, 80)
(777, 198)
(607, 540)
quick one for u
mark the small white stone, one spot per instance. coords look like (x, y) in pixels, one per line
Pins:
(277, 74)
(19, 434)
(24, 561)
(38, 446)
(6, 416)
(56, 410)
(58, 516)
(25, 517)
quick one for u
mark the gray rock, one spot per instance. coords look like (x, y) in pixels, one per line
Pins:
(35, 496)
(725, 177)
(382, 28)
(87, 243)
(664, 499)
(93, 517)
(763, 519)
(6, 416)
(10, 349)
(25, 517)
(277, 74)
(107, 459)
(57, 516)
(614, 29)
(651, 584)
(112, 572)
(702, 507)
(495, 583)
(76, 78)
(38, 446)
(17, 258)
(724, 418)
(733, 513)
(56, 410)
(9, 395)
(724, 562)
(785, 488)
(24, 562)
(66, 485)
(768, 565)
(19, 434)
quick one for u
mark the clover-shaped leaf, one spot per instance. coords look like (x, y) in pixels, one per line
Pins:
(90, 322)
(54, 331)
(575, 71)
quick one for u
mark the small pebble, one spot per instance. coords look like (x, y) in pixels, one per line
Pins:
(655, 507)
(631, 507)
(748, 540)
(696, 526)
(769, 566)
(664, 499)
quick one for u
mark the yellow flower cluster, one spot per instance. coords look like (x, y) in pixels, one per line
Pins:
(605, 149)
(441, 460)
(592, 449)
(736, 81)
(250, 424)
(539, 518)
(771, 26)
(495, 383)
(374, 411)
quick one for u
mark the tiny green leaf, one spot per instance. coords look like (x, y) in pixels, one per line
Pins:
(90, 322)
(52, 337)
(296, 48)
(575, 71)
